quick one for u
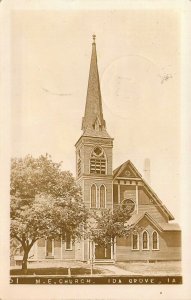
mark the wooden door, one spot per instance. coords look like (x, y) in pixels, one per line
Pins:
(102, 252)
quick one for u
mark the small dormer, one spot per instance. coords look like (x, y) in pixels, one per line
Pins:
(97, 124)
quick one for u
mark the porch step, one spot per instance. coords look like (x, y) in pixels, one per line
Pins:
(104, 261)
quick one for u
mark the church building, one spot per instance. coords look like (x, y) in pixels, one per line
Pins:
(102, 187)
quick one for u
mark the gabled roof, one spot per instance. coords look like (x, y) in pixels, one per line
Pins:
(136, 218)
(129, 164)
(121, 168)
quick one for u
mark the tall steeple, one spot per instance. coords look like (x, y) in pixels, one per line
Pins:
(93, 123)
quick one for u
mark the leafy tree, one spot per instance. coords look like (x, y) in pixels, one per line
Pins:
(34, 176)
(45, 201)
(105, 226)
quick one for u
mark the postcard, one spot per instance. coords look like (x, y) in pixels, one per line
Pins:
(95, 150)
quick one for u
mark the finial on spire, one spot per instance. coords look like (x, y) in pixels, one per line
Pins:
(94, 37)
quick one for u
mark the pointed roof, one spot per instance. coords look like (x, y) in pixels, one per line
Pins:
(136, 218)
(118, 172)
(126, 165)
(93, 123)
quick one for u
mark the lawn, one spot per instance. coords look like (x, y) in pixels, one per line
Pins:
(55, 271)
(158, 268)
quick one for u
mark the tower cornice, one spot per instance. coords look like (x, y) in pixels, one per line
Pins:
(95, 140)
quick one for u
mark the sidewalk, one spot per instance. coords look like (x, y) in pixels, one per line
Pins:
(114, 270)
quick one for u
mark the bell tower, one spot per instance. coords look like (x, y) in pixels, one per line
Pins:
(94, 147)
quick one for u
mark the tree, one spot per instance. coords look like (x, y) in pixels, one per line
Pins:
(34, 176)
(105, 226)
(45, 201)
(30, 220)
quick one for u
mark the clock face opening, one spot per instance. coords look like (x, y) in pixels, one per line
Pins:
(98, 151)
(128, 204)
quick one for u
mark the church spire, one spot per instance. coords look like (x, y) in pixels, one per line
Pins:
(93, 123)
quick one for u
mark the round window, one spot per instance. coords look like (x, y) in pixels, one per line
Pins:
(128, 204)
(98, 151)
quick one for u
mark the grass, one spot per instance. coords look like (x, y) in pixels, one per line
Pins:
(158, 268)
(55, 271)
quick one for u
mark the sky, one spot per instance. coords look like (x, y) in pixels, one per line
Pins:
(139, 65)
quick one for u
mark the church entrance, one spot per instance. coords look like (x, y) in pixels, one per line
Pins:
(102, 252)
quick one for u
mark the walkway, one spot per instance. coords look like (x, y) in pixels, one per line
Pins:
(114, 270)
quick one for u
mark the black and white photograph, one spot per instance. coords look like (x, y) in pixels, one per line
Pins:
(95, 160)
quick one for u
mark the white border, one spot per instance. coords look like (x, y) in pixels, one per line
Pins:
(173, 292)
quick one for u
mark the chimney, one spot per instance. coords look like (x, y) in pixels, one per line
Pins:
(147, 174)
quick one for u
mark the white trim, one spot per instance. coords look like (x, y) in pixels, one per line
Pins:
(83, 188)
(112, 245)
(45, 246)
(156, 199)
(115, 249)
(112, 204)
(52, 247)
(105, 190)
(83, 245)
(94, 248)
(61, 247)
(118, 192)
(138, 246)
(137, 198)
(92, 143)
(36, 249)
(83, 249)
(128, 178)
(96, 177)
(158, 245)
(88, 248)
(106, 165)
(148, 240)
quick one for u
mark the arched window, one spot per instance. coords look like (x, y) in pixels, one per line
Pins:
(135, 244)
(102, 196)
(145, 240)
(155, 240)
(98, 161)
(93, 196)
